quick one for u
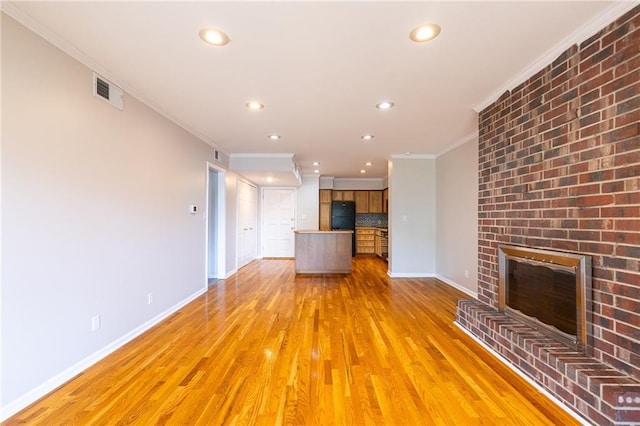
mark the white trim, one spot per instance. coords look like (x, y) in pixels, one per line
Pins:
(39, 391)
(411, 274)
(231, 273)
(460, 142)
(457, 286)
(578, 36)
(412, 156)
(221, 217)
(528, 379)
(286, 156)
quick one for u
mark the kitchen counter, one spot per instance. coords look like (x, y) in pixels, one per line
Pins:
(323, 252)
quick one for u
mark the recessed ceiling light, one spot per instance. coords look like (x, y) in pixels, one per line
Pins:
(363, 171)
(368, 163)
(367, 137)
(384, 105)
(274, 137)
(269, 179)
(316, 171)
(214, 37)
(315, 163)
(254, 105)
(424, 33)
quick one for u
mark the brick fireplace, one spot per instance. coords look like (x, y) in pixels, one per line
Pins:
(560, 170)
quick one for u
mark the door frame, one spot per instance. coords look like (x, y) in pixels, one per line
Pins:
(220, 223)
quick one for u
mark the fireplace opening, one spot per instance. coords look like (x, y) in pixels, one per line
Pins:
(548, 290)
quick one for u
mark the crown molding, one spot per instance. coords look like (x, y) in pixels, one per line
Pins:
(578, 36)
(460, 142)
(412, 156)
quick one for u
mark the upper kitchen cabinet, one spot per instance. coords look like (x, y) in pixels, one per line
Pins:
(375, 202)
(343, 196)
(325, 210)
(362, 201)
(385, 201)
(325, 196)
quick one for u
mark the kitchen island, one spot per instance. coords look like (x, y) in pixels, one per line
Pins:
(323, 252)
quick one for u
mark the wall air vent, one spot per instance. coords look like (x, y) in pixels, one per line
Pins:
(108, 91)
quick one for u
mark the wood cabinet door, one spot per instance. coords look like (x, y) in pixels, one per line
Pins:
(375, 201)
(337, 195)
(362, 201)
(347, 196)
(325, 216)
(385, 201)
(325, 196)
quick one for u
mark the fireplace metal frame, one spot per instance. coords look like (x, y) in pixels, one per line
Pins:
(575, 263)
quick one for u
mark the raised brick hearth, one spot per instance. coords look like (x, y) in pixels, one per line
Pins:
(559, 169)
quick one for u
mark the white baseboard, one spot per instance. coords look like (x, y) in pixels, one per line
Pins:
(233, 271)
(524, 376)
(38, 392)
(411, 274)
(457, 286)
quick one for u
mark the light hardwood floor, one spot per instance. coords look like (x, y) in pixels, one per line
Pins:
(269, 347)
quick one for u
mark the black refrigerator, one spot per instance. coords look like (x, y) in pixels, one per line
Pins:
(343, 216)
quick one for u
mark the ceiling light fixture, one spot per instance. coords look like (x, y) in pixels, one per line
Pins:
(368, 163)
(315, 163)
(269, 179)
(384, 105)
(274, 137)
(254, 105)
(367, 137)
(424, 33)
(316, 171)
(214, 37)
(363, 171)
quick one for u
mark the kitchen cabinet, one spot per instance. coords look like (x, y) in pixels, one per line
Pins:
(342, 195)
(325, 210)
(385, 201)
(375, 201)
(362, 201)
(365, 240)
(381, 243)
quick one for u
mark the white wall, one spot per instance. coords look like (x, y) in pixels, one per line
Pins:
(308, 203)
(412, 221)
(94, 215)
(457, 217)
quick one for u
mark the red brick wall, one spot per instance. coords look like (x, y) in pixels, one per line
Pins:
(560, 169)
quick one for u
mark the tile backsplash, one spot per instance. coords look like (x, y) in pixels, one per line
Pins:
(371, 220)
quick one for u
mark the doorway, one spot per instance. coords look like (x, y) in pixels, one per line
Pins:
(279, 222)
(215, 225)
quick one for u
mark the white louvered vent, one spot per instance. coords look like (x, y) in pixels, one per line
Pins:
(108, 91)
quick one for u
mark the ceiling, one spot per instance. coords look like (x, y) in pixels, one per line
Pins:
(319, 68)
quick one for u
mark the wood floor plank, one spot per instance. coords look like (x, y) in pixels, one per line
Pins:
(267, 346)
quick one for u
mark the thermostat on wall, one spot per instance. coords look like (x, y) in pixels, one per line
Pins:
(193, 209)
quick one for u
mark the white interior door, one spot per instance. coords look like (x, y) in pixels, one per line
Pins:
(278, 222)
(247, 223)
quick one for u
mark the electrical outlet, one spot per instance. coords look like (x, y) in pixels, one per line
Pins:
(466, 273)
(149, 298)
(95, 322)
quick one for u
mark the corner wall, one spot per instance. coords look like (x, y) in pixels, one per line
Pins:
(412, 217)
(457, 217)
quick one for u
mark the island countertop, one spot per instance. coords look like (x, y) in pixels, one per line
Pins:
(323, 252)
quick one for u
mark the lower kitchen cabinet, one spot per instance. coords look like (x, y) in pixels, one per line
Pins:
(381, 243)
(365, 240)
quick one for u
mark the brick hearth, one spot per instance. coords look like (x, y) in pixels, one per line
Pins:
(559, 168)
